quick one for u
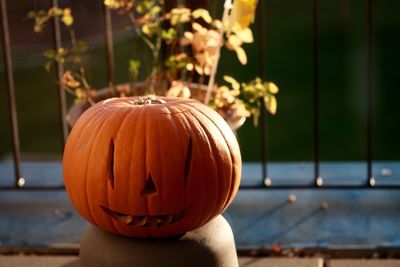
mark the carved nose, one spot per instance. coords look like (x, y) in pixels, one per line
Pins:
(149, 188)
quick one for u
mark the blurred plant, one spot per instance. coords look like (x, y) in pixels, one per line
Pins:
(244, 98)
(185, 46)
(74, 78)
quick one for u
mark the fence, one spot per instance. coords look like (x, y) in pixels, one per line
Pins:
(265, 181)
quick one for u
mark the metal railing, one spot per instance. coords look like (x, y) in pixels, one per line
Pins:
(265, 181)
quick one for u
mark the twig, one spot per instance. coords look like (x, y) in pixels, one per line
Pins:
(211, 81)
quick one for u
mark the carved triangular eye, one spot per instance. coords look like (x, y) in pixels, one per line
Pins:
(111, 163)
(188, 161)
(149, 188)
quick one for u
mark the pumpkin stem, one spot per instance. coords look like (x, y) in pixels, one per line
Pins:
(148, 100)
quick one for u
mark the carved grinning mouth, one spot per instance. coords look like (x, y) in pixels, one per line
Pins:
(144, 221)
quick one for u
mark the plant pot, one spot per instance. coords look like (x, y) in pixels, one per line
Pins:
(198, 92)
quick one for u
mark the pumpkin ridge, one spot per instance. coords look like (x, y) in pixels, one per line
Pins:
(205, 132)
(79, 135)
(233, 185)
(107, 191)
(116, 133)
(233, 173)
(87, 168)
(147, 126)
(213, 146)
(193, 123)
(178, 125)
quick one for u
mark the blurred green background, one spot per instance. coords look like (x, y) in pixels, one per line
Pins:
(288, 28)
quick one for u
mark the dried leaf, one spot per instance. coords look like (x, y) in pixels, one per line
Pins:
(189, 66)
(198, 69)
(202, 13)
(197, 27)
(217, 24)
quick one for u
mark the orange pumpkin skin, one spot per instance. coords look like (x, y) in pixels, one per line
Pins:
(143, 169)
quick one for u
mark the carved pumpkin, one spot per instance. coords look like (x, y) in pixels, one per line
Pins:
(151, 167)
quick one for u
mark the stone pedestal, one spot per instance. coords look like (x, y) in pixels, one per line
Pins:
(209, 246)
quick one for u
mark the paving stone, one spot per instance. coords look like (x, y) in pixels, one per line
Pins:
(72, 261)
(280, 262)
(363, 263)
(39, 261)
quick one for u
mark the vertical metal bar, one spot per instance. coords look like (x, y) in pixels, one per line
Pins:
(261, 72)
(109, 46)
(62, 109)
(12, 109)
(371, 180)
(317, 177)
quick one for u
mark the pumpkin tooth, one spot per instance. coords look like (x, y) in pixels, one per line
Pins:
(139, 221)
(151, 220)
(168, 219)
(120, 218)
(128, 219)
(159, 220)
(176, 216)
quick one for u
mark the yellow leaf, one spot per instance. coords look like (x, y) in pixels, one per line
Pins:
(146, 30)
(241, 54)
(112, 4)
(246, 35)
(155, 10)
(272, 88)
(242, 15)
(217, 24)
(188, 35)
(197, 27)
(270, 104)
(189, 66)
(199, 69)
(234, 41)
(235, 84)
(67, 19)
(202, 13)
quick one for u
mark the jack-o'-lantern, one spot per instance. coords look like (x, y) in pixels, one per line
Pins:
(151, 166)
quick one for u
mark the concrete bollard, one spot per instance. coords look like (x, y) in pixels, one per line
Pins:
(211, 245)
